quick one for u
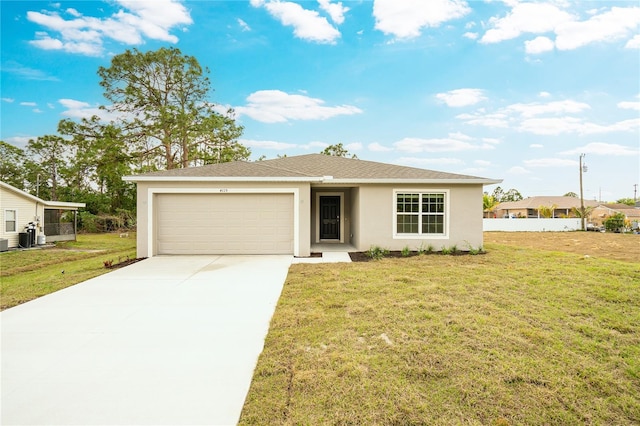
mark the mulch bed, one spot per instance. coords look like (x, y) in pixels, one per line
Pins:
(361, 256)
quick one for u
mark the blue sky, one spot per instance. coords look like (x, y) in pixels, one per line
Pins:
(501, 89)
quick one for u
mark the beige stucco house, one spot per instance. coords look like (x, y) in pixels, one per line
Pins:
(297, 205)
(563, 207)
(56, 220)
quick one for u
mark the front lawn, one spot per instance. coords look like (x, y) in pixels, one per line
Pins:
(29, 274)
(516, 336)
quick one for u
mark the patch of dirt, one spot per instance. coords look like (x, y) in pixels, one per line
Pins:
(124, 263)
(608, 245)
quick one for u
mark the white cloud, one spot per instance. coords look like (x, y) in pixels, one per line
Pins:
(493, 141)
(376, 147)
(471, 36)
(629, 105)
(79, 109)
(406, 19)
(600, 148)
(538, 45)
(416, 145)
(37, 110)
(29, 104)
(634, 43)
(85, 35)
(533, 18)
(483, 163)
(275, 106)
(461, 97)
(560, 125)
(536, 146)
(550, 162)
(20, 141)
(355, 146)
(277, 146)
(612, 25)
(556, 107)
(244, 25)
(335, 10)
(518, 170)
(544, 94)
(9, 100)
(307, 24)
(495, 120)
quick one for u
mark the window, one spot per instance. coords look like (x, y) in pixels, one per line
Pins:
(420, 213)
(10, 221)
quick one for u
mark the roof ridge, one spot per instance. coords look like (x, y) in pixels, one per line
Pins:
(261, 163)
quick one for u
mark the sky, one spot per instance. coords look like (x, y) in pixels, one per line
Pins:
(510, 89)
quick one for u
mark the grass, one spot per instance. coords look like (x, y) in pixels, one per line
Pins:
(29, 274)
(517, 336)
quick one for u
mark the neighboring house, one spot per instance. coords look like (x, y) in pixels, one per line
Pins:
(603, 211)
(296, 205)
(529, 207)
(54, 219)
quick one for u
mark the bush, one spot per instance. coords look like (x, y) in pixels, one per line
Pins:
(406, 251)
(377, 252)
(615, 223)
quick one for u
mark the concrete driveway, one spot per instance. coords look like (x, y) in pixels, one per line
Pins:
(168, 340)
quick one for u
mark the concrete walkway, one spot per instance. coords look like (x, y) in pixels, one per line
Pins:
(166, 341)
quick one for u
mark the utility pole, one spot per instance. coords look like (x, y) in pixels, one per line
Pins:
(581, 196)
(635, 192)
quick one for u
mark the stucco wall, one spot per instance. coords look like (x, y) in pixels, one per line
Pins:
(377, 207)
(25, 212)
(144, 229)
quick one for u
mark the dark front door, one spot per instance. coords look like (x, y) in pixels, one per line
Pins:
(329, 217)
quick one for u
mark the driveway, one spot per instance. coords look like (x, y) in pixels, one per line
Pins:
(168, 340)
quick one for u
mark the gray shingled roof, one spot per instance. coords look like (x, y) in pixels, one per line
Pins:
(307, 167)
(535, 202)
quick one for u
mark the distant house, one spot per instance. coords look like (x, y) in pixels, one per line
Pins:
(603, 211)
(299, 204)
(563, 207)
(18, 209)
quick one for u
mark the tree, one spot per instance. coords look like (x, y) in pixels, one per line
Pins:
(338, 150)
(161, 99)
(511, 195)
(615, 223)
(547, 211)
(627, 201)
(11, 165)
(488, 202)
(50, 152)
(571, 194)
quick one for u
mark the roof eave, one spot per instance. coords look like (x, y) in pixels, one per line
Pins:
(218, 179)
(470, 181)
(64, 204)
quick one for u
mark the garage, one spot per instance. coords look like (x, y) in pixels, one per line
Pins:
(224, 223)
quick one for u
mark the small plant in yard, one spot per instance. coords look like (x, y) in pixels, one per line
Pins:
(108, 263)
(453, 249)
(406, 251)
(425, 249)
(377, 252)
(472, 250)
(444, 250)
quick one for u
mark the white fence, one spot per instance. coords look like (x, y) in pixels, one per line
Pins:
(531, 225)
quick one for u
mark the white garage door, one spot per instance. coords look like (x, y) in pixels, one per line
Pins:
(224, 223)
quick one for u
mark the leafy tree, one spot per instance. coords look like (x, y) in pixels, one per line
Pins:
(338, 150)
(547, 211)
(571, 194)
(50, 152)
(161, 99)
(511, 195)
(615, 223)
(11, 165)
(627, 201)
(488, 202)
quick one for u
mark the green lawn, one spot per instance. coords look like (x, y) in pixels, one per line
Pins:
(516, 336)
(28, 274)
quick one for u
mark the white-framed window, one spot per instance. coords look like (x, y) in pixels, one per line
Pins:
(10, 221)
(420, 213)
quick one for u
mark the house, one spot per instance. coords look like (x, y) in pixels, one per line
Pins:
(603, 211)
(18, 209)
(529, 207)
(296, 205)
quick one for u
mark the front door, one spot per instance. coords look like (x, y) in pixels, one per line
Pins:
(329, 217)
